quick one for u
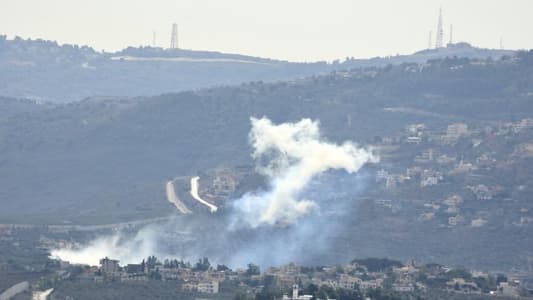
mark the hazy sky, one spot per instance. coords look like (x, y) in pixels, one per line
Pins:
(300, 30)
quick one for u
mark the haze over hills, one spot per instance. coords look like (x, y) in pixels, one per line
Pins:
(45, 71)
(106, 160)
(163, 136)
(243, 150)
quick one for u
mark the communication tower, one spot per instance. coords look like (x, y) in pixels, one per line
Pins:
(174, 37)
(451, 35)
(440, 32)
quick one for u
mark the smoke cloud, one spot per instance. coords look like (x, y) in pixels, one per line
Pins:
(295, 153)
(127, 249)
(310, 199)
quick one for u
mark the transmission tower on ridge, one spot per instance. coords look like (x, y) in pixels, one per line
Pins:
(174, 37)
(440, 32)
(451, 35)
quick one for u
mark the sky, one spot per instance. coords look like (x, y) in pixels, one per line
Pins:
(295, 30)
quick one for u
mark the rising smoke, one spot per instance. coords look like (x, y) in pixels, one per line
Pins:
(312, 186)
(295, 154)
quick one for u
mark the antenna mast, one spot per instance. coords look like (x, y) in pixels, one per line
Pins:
(440, 32)
(174, 37)
(451, 34)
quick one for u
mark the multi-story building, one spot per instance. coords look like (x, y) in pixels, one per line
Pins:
(109, 266)
(296, 296)
(209, 287)
(348, 282)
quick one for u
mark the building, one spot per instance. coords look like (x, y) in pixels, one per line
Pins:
(209, 287)
(348, 282)
(109, 266)
(414, 140)
(415, 129)
(133, 277)
(371, 284)
(382, 175)
(429, 181)
(456, 220)
(463, 167)
(508, 289)
(224, 183)
(403, 287)
(189, 287)
(296, 296)
(523, 125)
(135, 268)
(453, 201)
(456, 131)
(482, 192)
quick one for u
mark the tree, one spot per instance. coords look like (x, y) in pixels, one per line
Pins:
(202, 264)
(377, 264)
(222, 268)
(151, 262)
(253, 270)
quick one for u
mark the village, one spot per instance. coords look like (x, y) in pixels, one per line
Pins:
(427, 163)
(293, 281)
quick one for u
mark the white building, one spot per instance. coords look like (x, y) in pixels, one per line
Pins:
(429, 181)
(456, 220)
(403, 287)
(295, 295)
(209, 287)
(109, 266)
(456, 130)
(348, 282)
(370, 284)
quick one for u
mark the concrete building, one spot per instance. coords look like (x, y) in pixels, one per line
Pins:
(296, 296)
(415, 129)
(224, 183)
(348, 282)
(429, 181)
(371, 284)
(109, 266)
(403, 287)
(209, 287)
(456, 130)
(456, 220)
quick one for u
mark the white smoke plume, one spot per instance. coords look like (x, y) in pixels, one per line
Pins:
(295, 153)
(127, 250)
(300, 166)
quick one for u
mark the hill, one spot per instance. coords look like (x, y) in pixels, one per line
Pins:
(107, 160)
(45, 71)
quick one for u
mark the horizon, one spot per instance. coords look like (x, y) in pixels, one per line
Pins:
(323, 32)
(341, 59)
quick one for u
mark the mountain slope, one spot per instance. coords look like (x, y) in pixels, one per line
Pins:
(45, 71)
(106, 160)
